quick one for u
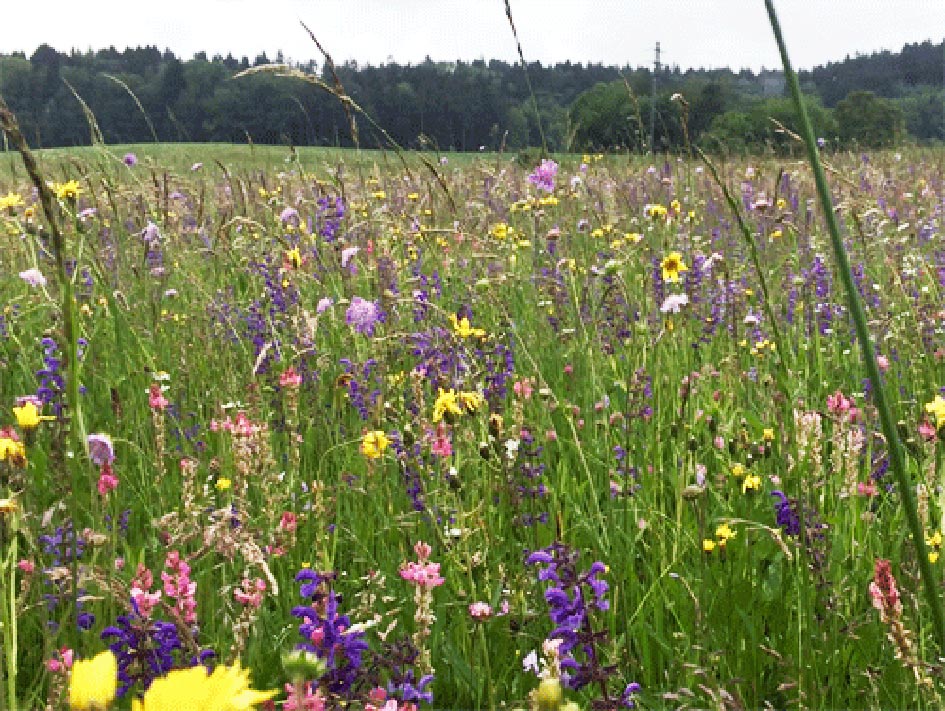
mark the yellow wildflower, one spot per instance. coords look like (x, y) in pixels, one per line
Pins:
(672, 266)
(27, 415)
(378, 195)
(294, 257)
(93, 682)
(752, 483)
(374, 443)
(9, 201)
(724, 533)
(934, 542)
(463, 329)
(67, 191)
(500, 230)
(226, 689)
(708, 545)
(223, 484)
(446, 402)
(12, 451)
(8, 506)
(937, 408)
(738, 469)
(655, 212)
(472, 401)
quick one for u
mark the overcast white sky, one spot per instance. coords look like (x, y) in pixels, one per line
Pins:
(693, 33)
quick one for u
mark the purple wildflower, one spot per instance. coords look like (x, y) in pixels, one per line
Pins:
(543, 177)
(327, 632)
(363, 315)
(290, 216)
(130, 159)
(101, 450)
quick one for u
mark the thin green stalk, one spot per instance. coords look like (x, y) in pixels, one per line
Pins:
(76, 426)
(887, 421)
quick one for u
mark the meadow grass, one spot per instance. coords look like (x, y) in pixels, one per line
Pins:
(734, 492)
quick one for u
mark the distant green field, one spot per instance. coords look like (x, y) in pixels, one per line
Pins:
(180, 157)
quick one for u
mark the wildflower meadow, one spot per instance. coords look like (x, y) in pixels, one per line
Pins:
(378, 430)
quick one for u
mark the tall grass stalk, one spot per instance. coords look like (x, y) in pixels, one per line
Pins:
(67, 305)
(887, 419)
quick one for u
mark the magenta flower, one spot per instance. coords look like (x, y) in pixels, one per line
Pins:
(130, 159)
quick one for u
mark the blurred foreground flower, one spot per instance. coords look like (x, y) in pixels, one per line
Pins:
(226, 689)
(93, 682)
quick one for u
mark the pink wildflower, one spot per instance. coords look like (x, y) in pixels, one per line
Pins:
(107, 481)
(288, 522)
(144, 600)
(841, 406)
(290, 379)
(423, 575)
(26, 566)
(523, 388)
(178, 586)
(441, 443)
(156, 399)
(251, 592)
(480, 610)
(883, 589)
(309, 701)
(927, 431)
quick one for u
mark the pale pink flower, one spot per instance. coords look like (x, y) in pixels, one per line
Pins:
(33, 277)
(480, 610)
(290, 379)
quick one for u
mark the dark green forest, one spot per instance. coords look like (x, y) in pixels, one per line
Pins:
(144, 94)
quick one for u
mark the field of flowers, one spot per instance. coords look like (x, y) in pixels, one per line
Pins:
(398, 435)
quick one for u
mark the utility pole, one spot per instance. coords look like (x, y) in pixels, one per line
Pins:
(656, 72)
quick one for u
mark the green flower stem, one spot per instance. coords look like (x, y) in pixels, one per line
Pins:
(887, 421)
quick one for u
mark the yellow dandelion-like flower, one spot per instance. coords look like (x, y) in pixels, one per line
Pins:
(738, 469)
(226, 689)
(93, 682)
(294, 257)
(724, 533)
(708, 545)
(374, 443)
(472, 401)
(463, 329)
(672, 266)
(655, 212)
(9, 201)
(447, 402)
(937, 409)
(67, 191)
(752, 483)
(223, 484)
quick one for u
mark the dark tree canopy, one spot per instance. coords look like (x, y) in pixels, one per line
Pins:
(867, 100)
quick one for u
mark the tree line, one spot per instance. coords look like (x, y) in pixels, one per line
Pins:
(144, 94)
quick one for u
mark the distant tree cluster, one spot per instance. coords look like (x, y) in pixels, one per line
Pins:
(144, 94)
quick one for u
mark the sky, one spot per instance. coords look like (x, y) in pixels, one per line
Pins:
(692, 33)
